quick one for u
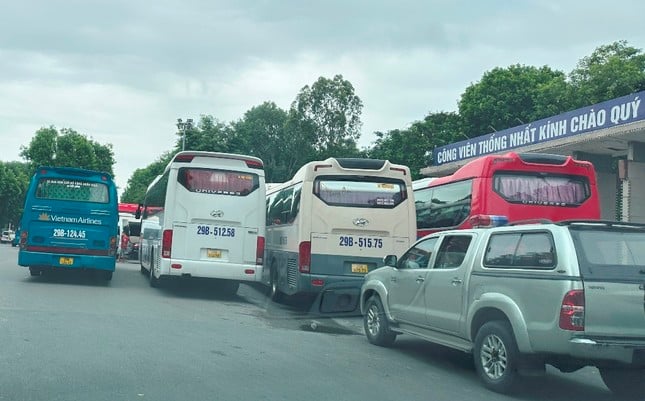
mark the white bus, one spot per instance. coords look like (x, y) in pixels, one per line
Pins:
(204, 217)
(331, 224)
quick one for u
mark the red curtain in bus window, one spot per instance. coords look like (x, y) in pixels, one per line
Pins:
(219, 182)
(541, 189)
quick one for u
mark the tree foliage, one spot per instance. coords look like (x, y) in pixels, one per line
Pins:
(413, 146)
(611, 71)
(328, 114)
(138, 183)
(68, 148)
(14, 181)
(507, 97)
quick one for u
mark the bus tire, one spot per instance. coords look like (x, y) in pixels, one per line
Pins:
(154, 281)
(142, 269)
(107, 275)
(275, 294)
(34, 271)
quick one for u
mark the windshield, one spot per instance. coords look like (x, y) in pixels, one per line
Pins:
(217, 182)
(364, 192)
(72, 190)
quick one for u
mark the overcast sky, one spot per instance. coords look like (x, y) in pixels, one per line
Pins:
(123, 71)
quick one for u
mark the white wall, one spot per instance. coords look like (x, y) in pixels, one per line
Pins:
(634, 196)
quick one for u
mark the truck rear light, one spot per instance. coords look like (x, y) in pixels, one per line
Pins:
(259, 250)
(317, 282)
(402, 170)
(166, 244)
(304, 257)
(487, 221)
(572, 312)
(318, 166)
(113, 246)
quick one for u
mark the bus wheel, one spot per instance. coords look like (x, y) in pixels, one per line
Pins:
(276, 295)
(154, 281)
(107, 275)
(34, 271)
(143, 269)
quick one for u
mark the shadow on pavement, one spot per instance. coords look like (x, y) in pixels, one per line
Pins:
(69, 276)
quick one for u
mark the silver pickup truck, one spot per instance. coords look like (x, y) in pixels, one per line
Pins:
(570, 294)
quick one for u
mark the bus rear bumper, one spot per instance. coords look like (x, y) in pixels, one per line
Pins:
(66, 261)
(227, 271)
(338, 295)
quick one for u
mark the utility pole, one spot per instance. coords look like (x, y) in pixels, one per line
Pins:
(183, 127)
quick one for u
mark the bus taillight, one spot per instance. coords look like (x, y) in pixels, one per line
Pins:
(304, 257)
(259, 251)
(23, 239)
(254, 164)
(487, 220)
(113, 246)
(166, 244)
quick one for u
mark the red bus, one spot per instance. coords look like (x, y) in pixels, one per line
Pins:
(498, 189)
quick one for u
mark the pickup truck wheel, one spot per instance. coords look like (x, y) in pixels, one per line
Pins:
(377, 328)
(625, 383)
(496, 356)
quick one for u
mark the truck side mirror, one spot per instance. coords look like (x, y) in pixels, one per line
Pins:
(390, 260)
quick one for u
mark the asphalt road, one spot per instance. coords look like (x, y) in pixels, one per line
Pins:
(70, 337)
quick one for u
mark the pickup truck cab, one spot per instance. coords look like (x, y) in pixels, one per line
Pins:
(569, 294)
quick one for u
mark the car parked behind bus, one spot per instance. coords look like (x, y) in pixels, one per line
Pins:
(69, 221)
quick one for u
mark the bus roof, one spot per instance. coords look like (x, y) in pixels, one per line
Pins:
(188, 156)
(79, 172)
(485, 166)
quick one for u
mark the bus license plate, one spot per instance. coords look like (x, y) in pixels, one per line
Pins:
(66, 261)
(214, 253)
(359, 268)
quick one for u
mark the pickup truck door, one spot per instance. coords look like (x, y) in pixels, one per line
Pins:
(405, 292)
(445, 289)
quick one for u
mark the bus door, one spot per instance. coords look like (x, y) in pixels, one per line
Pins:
(357, 220)
(217, 215)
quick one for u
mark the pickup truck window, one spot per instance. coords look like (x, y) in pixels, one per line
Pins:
(452, 251)
(418, 256)
(534, 250)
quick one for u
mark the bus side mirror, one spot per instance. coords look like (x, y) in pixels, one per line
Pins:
(390, 260)
(137, 214)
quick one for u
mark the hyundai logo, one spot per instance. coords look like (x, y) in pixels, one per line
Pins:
(217, 214)
(360, 222)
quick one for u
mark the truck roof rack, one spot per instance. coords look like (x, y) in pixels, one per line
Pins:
(606, 223)
(530, 221)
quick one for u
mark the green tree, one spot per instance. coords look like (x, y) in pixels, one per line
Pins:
(14, 181)
(262, 133)
(611, 71)
(135, 189)
(68, 148)
(507, 97)
(413, 146)
(328, 114)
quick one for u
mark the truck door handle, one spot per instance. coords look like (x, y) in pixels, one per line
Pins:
(456, 281)
(420, 279)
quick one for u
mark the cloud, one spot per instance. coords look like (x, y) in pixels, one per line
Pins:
(123, 72)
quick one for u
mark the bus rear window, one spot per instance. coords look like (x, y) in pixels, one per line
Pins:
(542, 189)
(360, 191)
(218, 182)
(72, 190)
